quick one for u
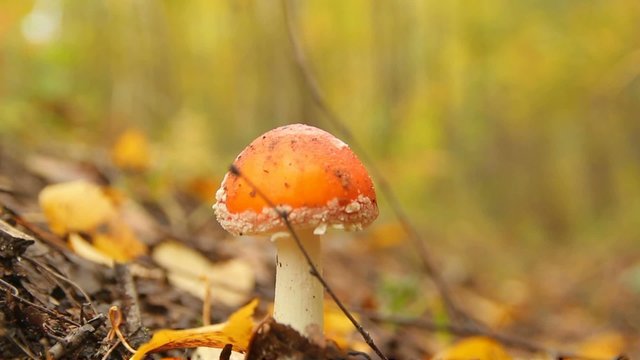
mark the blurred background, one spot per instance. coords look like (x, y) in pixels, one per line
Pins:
(510, 131)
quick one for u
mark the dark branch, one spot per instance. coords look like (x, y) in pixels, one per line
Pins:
(383, 185)
(462, 322)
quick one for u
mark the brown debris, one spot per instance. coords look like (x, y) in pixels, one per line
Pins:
(76, 338)
(273, 341)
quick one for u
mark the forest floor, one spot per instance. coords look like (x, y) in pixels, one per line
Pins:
(56, 302)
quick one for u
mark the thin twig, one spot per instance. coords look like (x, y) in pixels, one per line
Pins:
(14, 290)
(22, 346)
(383, 185)
(461, 320)
(130, 306)
(313, 269)
(225, 354)
(65, 279)
(460, 330)
(75, 338)
(16, 295)
(206, 302)
(111, 348)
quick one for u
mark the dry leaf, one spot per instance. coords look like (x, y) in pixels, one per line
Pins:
(119, 242)
(604, 346)
(85, 250)
(58, 170)
(236, 331)
(338, 327)
(76, 206)
(80, 206)
(487, 310)
(131, 151)
(474, 348)
(231, 281)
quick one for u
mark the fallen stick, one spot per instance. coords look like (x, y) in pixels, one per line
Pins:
(76, 337)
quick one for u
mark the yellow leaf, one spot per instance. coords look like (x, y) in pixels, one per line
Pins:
(338, 327)
(75, 206)
(119, 242)
(231, 281)
(131, 151)
(474, 348)
(236, 331)
(85, 250)
(80, 206)
(604, 346)
(487, 310)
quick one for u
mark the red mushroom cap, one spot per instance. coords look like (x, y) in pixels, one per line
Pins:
(303, 170)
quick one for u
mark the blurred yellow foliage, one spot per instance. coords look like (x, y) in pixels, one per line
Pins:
(202, 188)
(76, 206)
(487, 310)
(119, 242)
(388, 235)
(131, 151)
(603, 346)
(515, 116)
(518, 119)
(474, 348)
(12, 13)
(338, 328)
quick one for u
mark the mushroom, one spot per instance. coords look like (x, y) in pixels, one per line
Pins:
(319, 182)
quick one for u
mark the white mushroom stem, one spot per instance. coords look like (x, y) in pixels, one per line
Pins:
(299, 295)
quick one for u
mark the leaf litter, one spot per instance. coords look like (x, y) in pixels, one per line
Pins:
(59, 278)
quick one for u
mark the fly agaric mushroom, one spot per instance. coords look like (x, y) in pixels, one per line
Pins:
(318, 182)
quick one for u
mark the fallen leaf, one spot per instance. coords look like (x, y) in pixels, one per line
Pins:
(131, 151)
(603, 346)
(231, 281)
(236, 331)
(338, 327)
(474, 348)
(58, 170)
(490, 312)
(76, 206)
(86, 250)
(80, 206)
(119, 242)
(116, 196)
